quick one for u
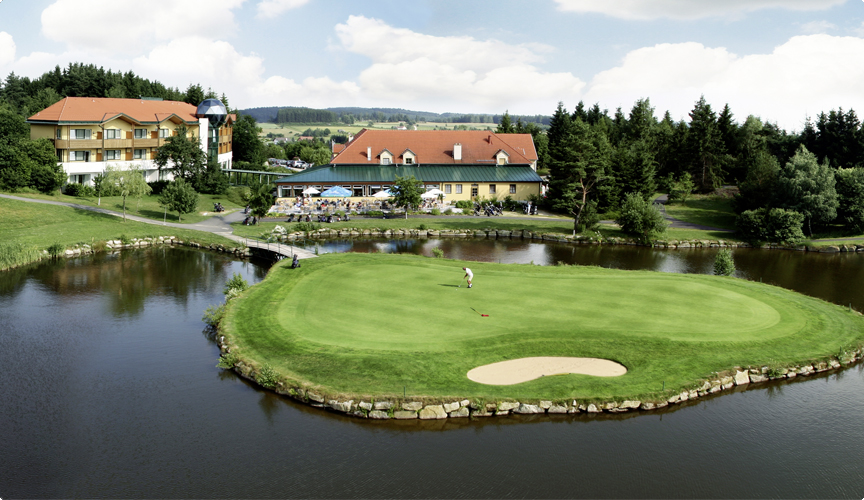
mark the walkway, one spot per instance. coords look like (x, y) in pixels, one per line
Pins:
(680, 224)
(219, 224)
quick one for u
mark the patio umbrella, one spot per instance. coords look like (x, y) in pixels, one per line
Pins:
(310, 190)
(336, 192)
(435, 191)
(429, 194)
(383, 194)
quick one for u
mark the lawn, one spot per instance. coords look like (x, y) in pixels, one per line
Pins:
(367, 325)
(707, 210)
(38, 225)
(147, 207)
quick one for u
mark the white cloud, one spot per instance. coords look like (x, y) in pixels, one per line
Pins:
(805, 75)
(686, 9)
(272, 8)
(121, 26)
(459, 70)
(816, 27)
(7, 49)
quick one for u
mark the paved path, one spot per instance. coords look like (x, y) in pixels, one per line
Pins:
(218, 224)
(680, 224)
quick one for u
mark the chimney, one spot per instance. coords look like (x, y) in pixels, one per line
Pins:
(457, 152)
(369, 154)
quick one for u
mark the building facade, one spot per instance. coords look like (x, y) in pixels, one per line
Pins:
(92, 133)
(465, 165)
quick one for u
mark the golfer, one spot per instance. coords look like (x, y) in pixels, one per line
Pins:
(469, 275)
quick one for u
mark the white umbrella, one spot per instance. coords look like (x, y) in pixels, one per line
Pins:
(428, 195)
(435, 191)
(382, 194)
(310, 190)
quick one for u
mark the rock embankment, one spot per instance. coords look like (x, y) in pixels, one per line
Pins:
(405, 409)
(83, 249)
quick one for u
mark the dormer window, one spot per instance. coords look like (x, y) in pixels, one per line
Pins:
(386, 157)
(409, 161)
(385, 161)
(408, 157)
(501, 157)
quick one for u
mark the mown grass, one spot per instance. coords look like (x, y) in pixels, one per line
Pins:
(706, 210)
(366, 325)
(148, 207)
(38, 225)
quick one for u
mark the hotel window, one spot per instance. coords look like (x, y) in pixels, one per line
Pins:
(79, 155)
(80, 133)
(113, 133)
(59, 134)
(512, 188)
(164, 132)
(140, 133)
(112, 154)
(409, 161)
(491, 188)
(140, 154)
(447, 188)
(385, 160)
(59, 155)
(458, 188)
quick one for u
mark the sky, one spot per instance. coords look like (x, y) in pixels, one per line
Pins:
(780, 60)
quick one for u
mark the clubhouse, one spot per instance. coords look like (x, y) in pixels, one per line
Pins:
(91, 133)
(465, 165)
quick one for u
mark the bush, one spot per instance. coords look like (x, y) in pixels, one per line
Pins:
(56, 249)
(374, 213)
(157, 187)
(213, 315)
(266, 377)
(306, 227)
(776, 225)
(590, 218)
(465, 204)
(435, 211)
(72, 189)
(637, 217)
(438, 253)
(235, 283)
(228, 360)
(723, 263)
(238, 195)
(449, 211)
(422, 227)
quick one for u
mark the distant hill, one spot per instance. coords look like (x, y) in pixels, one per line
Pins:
(352, 115)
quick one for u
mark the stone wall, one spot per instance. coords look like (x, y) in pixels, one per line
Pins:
(406, 409)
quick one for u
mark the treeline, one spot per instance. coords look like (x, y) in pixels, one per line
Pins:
(26, 97)
(597, 162)
(353, 115)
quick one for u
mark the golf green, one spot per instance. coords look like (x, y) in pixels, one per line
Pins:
(371, 324)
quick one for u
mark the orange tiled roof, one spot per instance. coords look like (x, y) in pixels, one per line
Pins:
(337, 148)
(436, 146)
(100, 109)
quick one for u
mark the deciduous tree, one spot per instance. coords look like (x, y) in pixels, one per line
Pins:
(180, 197)
(128, 181)
(805, 186)
(406, 191)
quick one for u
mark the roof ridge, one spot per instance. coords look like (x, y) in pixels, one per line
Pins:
(511, 147)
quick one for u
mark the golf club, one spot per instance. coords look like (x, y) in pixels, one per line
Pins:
(478, 312)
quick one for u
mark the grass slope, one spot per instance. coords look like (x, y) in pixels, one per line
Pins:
(367, 325)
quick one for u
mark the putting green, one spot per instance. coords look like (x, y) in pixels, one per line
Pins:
(378, 324)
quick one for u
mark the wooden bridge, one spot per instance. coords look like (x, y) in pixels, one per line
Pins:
(279, 250)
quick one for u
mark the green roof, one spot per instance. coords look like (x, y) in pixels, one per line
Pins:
(328, 174)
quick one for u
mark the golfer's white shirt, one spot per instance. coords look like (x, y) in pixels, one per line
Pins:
(469, 273)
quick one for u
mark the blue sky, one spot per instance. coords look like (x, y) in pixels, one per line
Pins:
(781, 60)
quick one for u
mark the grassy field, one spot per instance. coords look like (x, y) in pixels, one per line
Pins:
(293, 129)
(148, 207)
(39, 226)
(366, 325)
(707, 210)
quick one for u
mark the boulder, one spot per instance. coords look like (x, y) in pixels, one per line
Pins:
(433, 412)
(460, 413)
(674, 399)
(365, 406)
(404, 415)
(592, 408)
(742, 377)
(315, 397)
(383, 405)
(412, 406)
(630, 405)
(524, 409)
(343, 406)
(545, 404)
(464, 402)
(756, 378)
(557, 409)
(684, 396)
(379, 415)
(507, 406)
(646, 406)
(448, 407)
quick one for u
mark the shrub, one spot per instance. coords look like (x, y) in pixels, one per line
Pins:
(590, 218)
(306, 227)
(56, 249)
(125, 239)
(438, 253)
(774, 225)
(213, 315)
(435, 211)
(228, 360)
(374, 213)
(72, 189)
(465, 204)
(266, 377)
(235, 283)
(238, 195)
(422, 227)
(640, 218)
(449, 211)
(723, 263)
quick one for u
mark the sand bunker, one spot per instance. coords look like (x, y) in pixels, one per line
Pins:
(521, 370)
